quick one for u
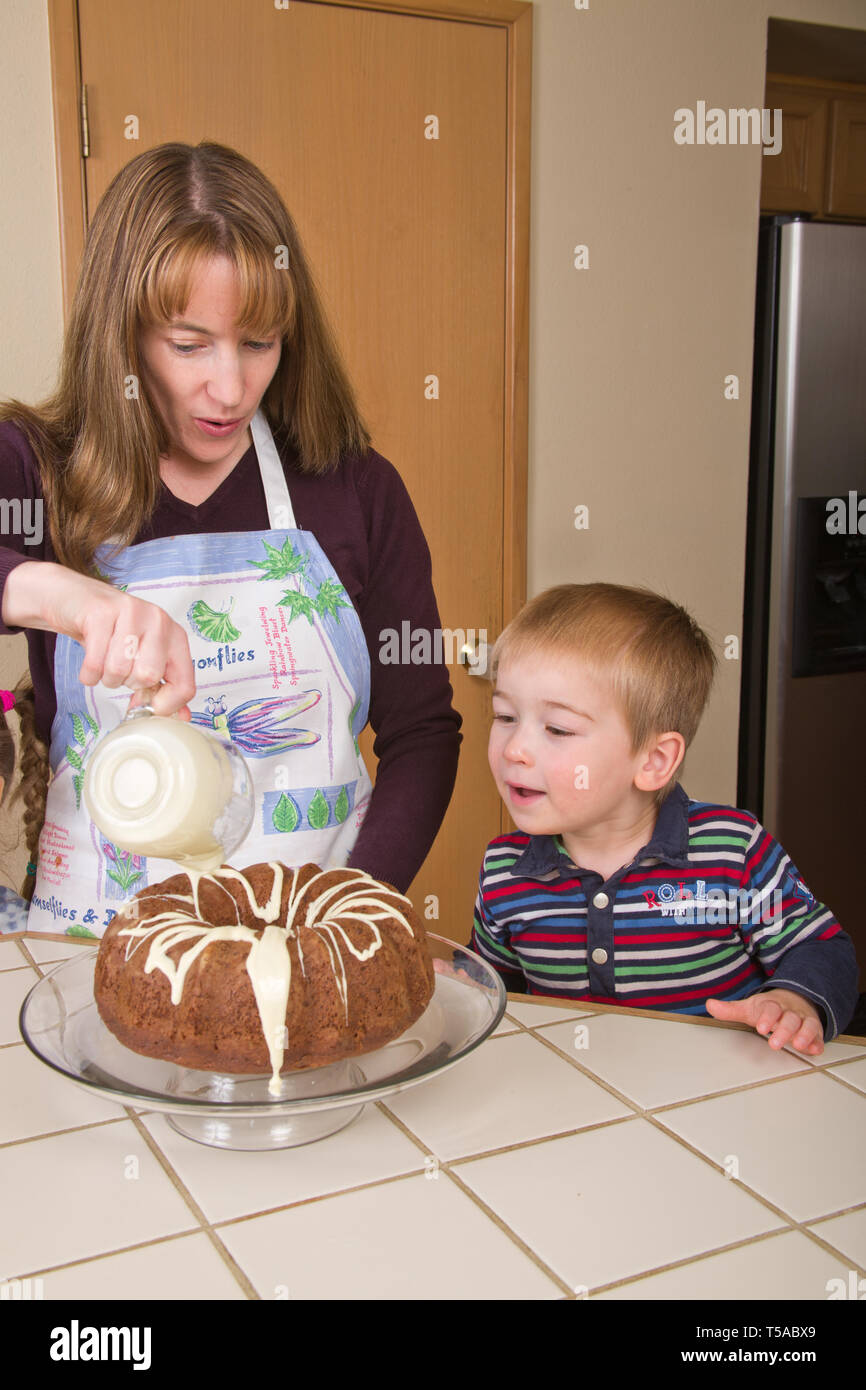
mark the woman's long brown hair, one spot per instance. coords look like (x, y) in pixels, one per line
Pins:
(98, 437)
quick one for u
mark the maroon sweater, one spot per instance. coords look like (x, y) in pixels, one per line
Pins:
(363, 518)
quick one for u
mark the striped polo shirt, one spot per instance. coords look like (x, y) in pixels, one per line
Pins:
(711, 908)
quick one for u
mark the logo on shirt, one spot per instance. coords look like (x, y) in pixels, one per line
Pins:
(715, 907)
(795, 885)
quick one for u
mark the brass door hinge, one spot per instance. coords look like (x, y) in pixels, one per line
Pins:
(85, 126)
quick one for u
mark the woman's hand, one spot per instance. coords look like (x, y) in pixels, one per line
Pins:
(126, 640)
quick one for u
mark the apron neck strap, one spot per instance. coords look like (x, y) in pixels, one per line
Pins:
(280, 514)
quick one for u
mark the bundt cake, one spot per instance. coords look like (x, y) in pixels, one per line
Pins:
(266, 969)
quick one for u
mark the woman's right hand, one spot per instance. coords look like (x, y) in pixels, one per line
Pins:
(126, 640)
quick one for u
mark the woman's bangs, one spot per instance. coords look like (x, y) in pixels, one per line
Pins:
(265, 292)
(167, 281)
(267, 301)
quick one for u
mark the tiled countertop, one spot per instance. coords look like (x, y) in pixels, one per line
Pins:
(579, 1152)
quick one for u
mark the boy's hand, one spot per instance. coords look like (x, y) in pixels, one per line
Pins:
(786, 1016)
(444, 967)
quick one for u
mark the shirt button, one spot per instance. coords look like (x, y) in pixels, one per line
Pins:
(599, 955)
(600, 900)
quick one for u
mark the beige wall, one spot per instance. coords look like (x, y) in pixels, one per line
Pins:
(627, 358)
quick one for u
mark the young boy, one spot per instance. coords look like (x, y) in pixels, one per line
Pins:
(616, 888)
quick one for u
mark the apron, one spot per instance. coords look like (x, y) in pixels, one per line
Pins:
(281, 667)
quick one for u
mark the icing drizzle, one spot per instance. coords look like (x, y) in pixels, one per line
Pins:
(357, 897)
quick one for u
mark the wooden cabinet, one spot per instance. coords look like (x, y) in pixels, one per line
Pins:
(846, 165)
(821, 168)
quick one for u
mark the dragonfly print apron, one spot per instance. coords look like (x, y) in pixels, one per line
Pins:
(281, 667)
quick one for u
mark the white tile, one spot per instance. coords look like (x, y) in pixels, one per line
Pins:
(46, 952)
(417, 1238)
(72, 1198)
(799, 1142)
(186, 1268)
(854, 1073)
(228, 1183)
(614, 1202)
(533, 1014)
(656, 1062)
(847, 1233)
(14, 985)
(506, 1092)
(788, 1266)
(834, 1052)
(11, 956)
(38, 1100)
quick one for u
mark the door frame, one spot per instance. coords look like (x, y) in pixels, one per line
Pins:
(515, 17)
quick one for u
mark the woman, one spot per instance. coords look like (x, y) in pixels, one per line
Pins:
(217, 525)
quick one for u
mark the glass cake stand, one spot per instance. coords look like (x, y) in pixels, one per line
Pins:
(59, 1023)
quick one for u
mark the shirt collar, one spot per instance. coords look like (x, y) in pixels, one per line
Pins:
(669, 842)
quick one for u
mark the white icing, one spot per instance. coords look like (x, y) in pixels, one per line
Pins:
(360, 899)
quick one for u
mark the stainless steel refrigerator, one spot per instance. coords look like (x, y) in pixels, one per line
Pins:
(802, 753)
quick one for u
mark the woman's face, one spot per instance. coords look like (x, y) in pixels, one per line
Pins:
(206, 379)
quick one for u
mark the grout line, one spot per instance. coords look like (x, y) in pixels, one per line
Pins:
(28, 956)
(694, 1260)
(459, 1159)
(504, 1148)
(736, 1090)
(108, 1254)
(184, 1192)
(843, 1211)
(59, 1133)
(849, 1085)
(317, 1197)
(751, 1086)
(507, 1230)
(689, 1260)
(833, 1250)
(709, 1254)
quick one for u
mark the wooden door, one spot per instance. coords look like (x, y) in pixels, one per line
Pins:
(399, 142)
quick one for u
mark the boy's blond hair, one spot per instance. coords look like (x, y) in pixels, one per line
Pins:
(659, 662)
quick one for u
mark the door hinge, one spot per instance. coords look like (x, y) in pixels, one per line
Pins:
(85, 126)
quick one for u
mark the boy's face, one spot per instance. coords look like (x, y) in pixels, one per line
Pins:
(559, 748)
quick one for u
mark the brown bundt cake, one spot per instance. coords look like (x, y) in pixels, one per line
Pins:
(267, 969)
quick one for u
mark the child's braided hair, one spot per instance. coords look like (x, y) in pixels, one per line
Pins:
(32, 786)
